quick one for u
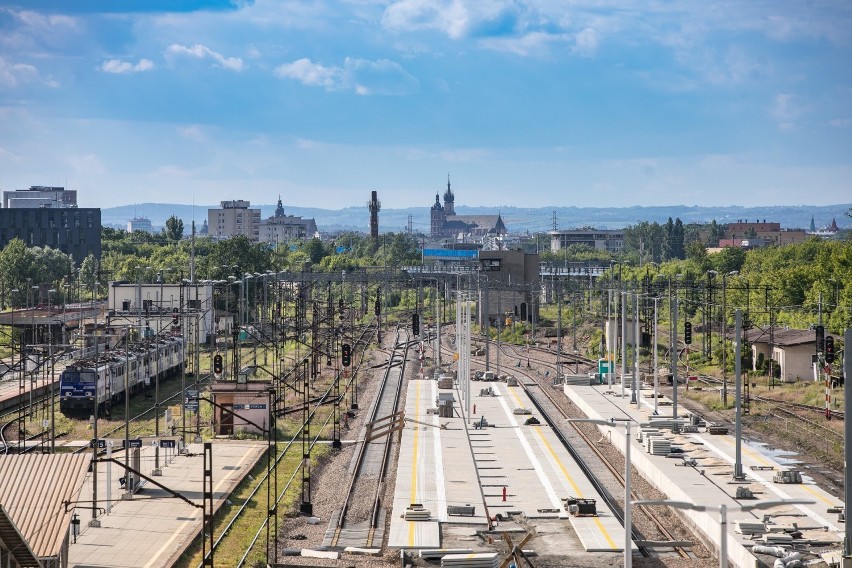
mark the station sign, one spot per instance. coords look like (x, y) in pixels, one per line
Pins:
(137, 443)
(190, 402)
(168, 443)
(256, 406)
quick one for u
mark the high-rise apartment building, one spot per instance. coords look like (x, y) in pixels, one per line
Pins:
(232, 219)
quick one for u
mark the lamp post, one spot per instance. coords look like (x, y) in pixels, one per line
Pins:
(52, 382)
(723, 515)
(12, 331)
(708, 315)
(725, 332)
(628, 513)
(656, 366)
(623, 299)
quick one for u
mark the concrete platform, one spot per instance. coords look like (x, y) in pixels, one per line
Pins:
(500, 469)
(711, 481)
(152, 529)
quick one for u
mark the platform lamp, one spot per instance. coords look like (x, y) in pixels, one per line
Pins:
(12, 332)
(52, 381)
(723, 515)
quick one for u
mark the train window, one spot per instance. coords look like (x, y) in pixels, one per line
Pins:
(87, 376)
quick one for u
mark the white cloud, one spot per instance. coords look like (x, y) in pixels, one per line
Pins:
(18, 74)
(44, 22)
(13, 74)
(312, 74)
(786, 109)
(119, 67)
(448, 16)
(88, 164)
(306, 144)
(840, 122)
(364, 77)
(587, 42)
(203, 52)
(531, 44)
(193, 132)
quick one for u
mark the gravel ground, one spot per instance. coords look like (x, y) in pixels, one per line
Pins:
(328, 485)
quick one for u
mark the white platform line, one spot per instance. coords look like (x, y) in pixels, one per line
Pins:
(440, 484)
(542, 476)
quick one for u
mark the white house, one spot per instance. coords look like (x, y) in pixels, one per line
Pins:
(163, 308)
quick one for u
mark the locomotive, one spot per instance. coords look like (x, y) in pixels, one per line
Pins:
(103, 375)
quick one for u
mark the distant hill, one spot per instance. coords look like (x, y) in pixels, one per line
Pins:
(517, 219)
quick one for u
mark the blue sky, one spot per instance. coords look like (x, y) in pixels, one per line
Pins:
(525, 103)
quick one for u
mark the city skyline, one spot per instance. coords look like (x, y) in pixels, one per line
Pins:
(523, 103)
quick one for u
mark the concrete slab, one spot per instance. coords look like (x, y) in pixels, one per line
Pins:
(152, 529)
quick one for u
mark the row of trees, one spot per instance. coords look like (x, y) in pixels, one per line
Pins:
(789, 285)
(791, 279)
(27, 273)
(645, 243)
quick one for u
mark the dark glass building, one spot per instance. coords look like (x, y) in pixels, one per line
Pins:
(74, 231)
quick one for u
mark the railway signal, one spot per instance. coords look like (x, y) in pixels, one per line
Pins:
(820, 338)
(174, 316)
(346, 354)
(829, 349)
(217, 364)
(415, 324)
(687, 332)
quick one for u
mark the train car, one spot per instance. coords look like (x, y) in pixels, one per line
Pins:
(103, 379)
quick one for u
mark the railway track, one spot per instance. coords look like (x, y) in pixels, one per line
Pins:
(366, 335)
(556, 415)
(361, 522)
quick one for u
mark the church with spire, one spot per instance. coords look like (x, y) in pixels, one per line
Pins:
(445, 224)
(282, 227)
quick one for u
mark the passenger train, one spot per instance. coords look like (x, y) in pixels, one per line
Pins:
(104, 375)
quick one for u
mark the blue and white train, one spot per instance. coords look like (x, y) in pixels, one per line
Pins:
(106, 374)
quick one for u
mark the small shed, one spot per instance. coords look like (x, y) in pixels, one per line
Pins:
(241, 405)
(791, 350)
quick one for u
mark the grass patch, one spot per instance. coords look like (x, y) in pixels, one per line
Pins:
(234, 544)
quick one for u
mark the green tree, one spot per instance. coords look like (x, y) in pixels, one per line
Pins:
(678, 243)
(728, 259)
(315, 250)
(16, 265)
(174, 228)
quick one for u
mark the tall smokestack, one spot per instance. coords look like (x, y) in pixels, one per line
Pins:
(375, 205)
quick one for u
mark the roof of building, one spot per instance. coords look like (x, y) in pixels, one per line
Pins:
(781, 337)
(12, 538)
(34, 493)
(490, 222)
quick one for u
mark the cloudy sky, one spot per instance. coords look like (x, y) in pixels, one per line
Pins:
(532, 103)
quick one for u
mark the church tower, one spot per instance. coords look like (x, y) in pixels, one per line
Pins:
(449, 198)
(437, 218)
